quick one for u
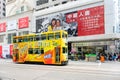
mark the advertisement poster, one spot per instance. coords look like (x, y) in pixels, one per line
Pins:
(23, 22)
(91, 21)
(11, 49)
(2, 27)
(83, 22)
(5, 51)
(0, 51)
(12, 25)
(58, 21)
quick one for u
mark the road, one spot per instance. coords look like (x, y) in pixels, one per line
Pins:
(75, 70)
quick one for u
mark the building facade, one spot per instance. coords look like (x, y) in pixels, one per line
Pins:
(92, 25)
(18, 21)
(2, 9)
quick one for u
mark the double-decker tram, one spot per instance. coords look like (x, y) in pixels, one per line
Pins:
(47, 47)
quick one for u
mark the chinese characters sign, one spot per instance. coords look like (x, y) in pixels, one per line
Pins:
(2, 27)
(23, 22)
(91, 21)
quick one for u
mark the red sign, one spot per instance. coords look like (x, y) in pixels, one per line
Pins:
(23, 22)
(91, 21)
(2, 27)
(71, 17)
(11, 49)
(0, 51)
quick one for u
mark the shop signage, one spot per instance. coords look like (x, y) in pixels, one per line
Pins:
(2, 27)
(93, 43)
(23, 22)
(12, 25)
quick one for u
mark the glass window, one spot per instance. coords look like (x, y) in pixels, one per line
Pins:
(57, 35)
(14, 40)
(30, 50)
(43, 37)
(37, 38)
(1, 38)
(22, 8)
(25, 39)
(10, 37)
(42, 51)
(64, 50)
(36, 51)
(50, 36)
(64, 35)
(30, 38)
(20, 40)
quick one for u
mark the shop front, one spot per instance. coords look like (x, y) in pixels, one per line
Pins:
(88, 48)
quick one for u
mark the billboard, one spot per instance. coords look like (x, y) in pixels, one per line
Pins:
(83, 22)
(3, 27)
(91, 21)
(23, 22)
(42, 24)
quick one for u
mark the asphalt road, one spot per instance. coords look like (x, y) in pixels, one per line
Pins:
(75, 70)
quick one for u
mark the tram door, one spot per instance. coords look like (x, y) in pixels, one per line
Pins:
(57, 54)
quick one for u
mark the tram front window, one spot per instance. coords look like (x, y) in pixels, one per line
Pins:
(57, 35)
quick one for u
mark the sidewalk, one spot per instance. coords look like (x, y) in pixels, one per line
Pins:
(106, 66)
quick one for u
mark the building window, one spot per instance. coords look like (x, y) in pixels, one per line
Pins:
(3, 4)
(40, 2)
(1, 38)
(3, 14)
(22, 8)
(10, 37)
(23, 33)
(3, 9)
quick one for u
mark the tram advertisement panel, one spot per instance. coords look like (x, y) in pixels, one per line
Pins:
(83, 22)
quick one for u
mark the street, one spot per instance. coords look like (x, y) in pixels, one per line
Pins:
(75, 70)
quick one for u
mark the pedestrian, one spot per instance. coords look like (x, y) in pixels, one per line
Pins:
(102, 58)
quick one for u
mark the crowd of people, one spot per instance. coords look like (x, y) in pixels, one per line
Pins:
(108, 57)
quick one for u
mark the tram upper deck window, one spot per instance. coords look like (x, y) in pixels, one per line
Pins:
(57, 35)
(64, 35)
(50, 36)
(25, 39)
(15, 40)
(37, 38)
(30, 38)
(20, 40)
(43, 36)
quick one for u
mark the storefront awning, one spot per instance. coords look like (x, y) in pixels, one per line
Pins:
(94, 37)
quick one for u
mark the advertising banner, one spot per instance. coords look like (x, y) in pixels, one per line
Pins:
(11, 49)
(5, 51)
(57, 21)
(3, 27)
(23, 22)
(12, 25)
(0, 51)
(84, 22)
(91, 21)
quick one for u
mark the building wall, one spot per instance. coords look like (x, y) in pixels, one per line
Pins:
(69, 10)
(9, 21)
(13, 8)
(2, 8)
